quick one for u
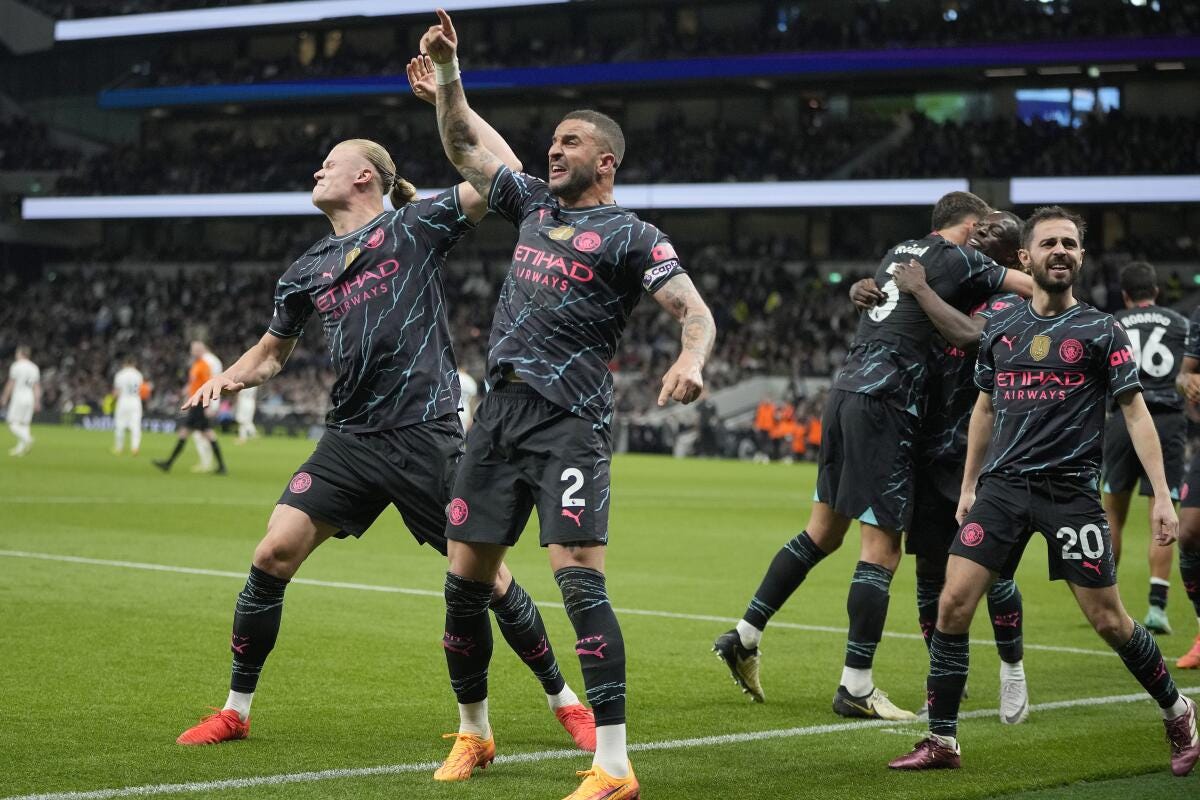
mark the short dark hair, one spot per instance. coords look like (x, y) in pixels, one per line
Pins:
(955, 207)
(611, 135)
(1050, 212)
(1139, 280)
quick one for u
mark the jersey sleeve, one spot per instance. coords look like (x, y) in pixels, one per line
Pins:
(292, 310)
(653, 256)
(514, 194)
(441, 219)
(1191, 347)
(985, 364)
(1122, 366)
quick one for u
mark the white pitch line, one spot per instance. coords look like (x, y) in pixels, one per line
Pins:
(543, 755)
(367, 587)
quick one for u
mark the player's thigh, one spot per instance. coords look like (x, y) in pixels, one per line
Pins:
(1104, 610)
(994, 531)
(573, 481)
(1078, 543)
(292, 536)
(933, 525)
(20, 413)
(1121, 469)
(339, 485)
(422, 460)
(1172, 439)
(965, 585)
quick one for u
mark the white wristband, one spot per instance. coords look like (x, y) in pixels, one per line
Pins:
(446, 73)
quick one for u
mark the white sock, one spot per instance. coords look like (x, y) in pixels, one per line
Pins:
(473, 718)
(1159, 582)
(749, 634)
(858, 682)
(610, 750)
(949, 741)
(1178, 710)
(240, 702)
(1012, 672)
(203, 449)
(564, 698)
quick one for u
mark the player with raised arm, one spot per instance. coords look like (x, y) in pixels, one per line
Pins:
(392, 435)
(1187, 382)
(127, 416)
(542, 435)
(865, 470)
(942, 450)
(22, 397)
(1158, 336)
(1044, 370)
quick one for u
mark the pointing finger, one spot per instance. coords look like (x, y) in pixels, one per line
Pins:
(669, 383)
(447, 25)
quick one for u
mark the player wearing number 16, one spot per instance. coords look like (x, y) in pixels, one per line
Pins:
(1033, 458)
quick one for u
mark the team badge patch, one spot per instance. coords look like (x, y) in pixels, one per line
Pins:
(376, 239)
(300, 484)
(562, 233)
(971, 534)
(1070, 351)
(457, 511)
(1039, 348)
(587, 242)
(353, 254)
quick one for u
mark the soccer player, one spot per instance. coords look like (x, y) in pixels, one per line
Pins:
(127, 416)
(1188, 384)
(865, 468)
(392, 435)
(1044, 370)
(1158, 336)
(542, 436)
(195, 418)
(23, 398)
(247, 400)
(942, 450)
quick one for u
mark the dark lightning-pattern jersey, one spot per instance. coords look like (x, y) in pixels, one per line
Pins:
(890, 355)
(1158, 336)
(1191, 348)
(1049, 379)
(951, 393)
(379, 293)
(576, 276)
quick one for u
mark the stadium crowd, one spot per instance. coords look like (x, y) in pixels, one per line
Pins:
(26, 144)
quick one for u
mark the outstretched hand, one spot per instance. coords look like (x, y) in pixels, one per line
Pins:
(421, 79)
(210, 393)
(440, 42)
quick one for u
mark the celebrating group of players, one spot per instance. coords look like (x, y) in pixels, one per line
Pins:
(964, 431)
(969, 414)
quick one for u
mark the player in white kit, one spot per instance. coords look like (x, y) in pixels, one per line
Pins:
(243, 413)
(23, 397)
(127, 416)
(470, 391)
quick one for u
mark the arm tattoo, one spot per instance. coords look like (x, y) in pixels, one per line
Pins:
(680, 298)
(461, 141)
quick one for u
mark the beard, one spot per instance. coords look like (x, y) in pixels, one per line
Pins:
(575, 183)
(1042, 277)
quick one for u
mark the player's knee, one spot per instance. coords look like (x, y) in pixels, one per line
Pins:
(1113, 626)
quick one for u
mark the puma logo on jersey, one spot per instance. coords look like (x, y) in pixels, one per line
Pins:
(576, 517)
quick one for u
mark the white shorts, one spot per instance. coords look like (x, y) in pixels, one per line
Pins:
(20, 412)
(128, 415)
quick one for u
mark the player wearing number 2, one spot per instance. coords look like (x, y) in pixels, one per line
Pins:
(865, 470)
(1158, 336)
(1044, 370)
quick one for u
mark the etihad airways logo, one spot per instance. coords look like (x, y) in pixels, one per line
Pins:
(357, 289)
(1031, 384)
(549, 269)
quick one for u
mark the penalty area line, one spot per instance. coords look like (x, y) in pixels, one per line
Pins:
(639, 612)
(888, 726)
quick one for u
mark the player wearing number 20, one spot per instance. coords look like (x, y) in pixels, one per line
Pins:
(1036, 435)
(1158, 336)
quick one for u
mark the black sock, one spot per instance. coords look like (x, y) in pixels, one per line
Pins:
(788, 570)
(521, 624)
(468, 637)
(1008, 624)
(931, 577)
(179, 443)
(256, 620)
(1144, 660)
(1189, 570)
(600, 647)
(949, 657)
(217, 452)
(1158, 595)
(867, 605)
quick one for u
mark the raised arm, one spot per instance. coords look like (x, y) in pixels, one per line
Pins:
(956, 327)
(463, 142)
(256, 366)
(1017, 282)
(421, 78)
(1149, 451)
(683, 381)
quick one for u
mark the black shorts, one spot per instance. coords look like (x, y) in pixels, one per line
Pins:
(865, 470)
(933, 526)
(1122, 469)
(524, 452)
(1009, 508)
(1189, 492)
(195, 419)
(352, 477)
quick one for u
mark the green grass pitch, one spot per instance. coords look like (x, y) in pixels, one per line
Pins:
(104, 664)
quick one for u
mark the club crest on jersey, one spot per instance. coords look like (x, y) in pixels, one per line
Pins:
(1070, 351)
(562, 233)
(587, 242)
(376, 239)
(1039, 348)
(353, 254)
